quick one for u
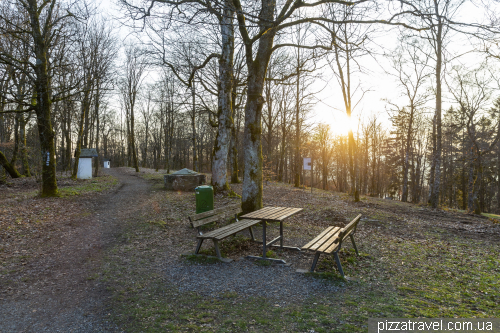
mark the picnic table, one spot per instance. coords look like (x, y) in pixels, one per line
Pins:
(272, 214)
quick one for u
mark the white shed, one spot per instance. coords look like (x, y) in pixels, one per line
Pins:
(107, 164)
(85, 163)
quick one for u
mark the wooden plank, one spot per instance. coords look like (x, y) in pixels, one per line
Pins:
(344, 232)
(325, 236)
(229, 230)
(207, 220)
(254, 213)
(306, 247)
(218, 217)
(236, 229)
(332, 248)
(327, 239)
(353, 223)
(293, 211)
(270, 215)
(331, 241)
(276, 214)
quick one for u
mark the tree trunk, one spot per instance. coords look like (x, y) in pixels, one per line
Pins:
(434, 200)
(234, 144)
(16, 139)
(24, 150)
(132, 139)
(193, 129)
(472, 202)
(298, 165)
(252, 180)
(325, 170)
(404, 197)
(43, 89)
(97, 162)
(10, 168)
(225, 112)
(498, 178)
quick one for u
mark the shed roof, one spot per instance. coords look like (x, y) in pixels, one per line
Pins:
(185, 171)
(90, 152)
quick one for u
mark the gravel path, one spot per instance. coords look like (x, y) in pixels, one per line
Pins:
(56, 292)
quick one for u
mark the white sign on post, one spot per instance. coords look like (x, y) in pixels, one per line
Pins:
(307, 163)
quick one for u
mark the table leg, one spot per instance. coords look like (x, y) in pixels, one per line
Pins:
(271, 243)
(264, 240)
(264, 246)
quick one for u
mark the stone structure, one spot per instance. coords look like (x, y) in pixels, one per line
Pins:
(184, 180)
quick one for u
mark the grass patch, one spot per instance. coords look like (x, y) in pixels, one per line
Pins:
(201, 259)
(85, 186)
(263, 262)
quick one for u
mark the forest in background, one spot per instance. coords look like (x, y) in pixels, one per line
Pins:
(228, 87)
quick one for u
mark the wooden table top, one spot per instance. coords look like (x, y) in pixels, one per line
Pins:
(272, 213)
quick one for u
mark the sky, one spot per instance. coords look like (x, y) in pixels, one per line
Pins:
(329, 106)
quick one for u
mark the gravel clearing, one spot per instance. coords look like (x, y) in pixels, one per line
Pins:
(244, 277)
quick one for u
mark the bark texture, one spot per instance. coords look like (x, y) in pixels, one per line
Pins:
(225, 112)
(257, 69)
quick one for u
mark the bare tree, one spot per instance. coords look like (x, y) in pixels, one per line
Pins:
(132, 79)
(411, 69)
(472, 91)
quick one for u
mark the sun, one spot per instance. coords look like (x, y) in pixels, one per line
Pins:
(340, 124)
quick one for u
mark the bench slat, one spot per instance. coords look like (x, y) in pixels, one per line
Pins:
(229, 230)
(330, 243)
(331, 248)
(315, 239)
(211, 219)
(239, 227)
(216, 211)
(220, 231)
(321, 238)
(328, 239)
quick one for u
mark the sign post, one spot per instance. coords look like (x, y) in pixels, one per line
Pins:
(308, 166)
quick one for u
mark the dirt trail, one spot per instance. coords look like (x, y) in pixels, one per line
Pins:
(58, 292)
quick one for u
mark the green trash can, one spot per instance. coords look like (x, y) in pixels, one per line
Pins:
(204, 198)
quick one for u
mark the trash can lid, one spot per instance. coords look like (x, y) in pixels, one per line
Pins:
(201, 187)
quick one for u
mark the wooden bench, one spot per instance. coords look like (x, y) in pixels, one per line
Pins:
(330, 240)
(219, 214)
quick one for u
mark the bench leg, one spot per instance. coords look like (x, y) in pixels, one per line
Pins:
(339, 266)
(315, 261)
(251, 233)
(354, 244)
(217, 252)
(198, 246)
(281, 233)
